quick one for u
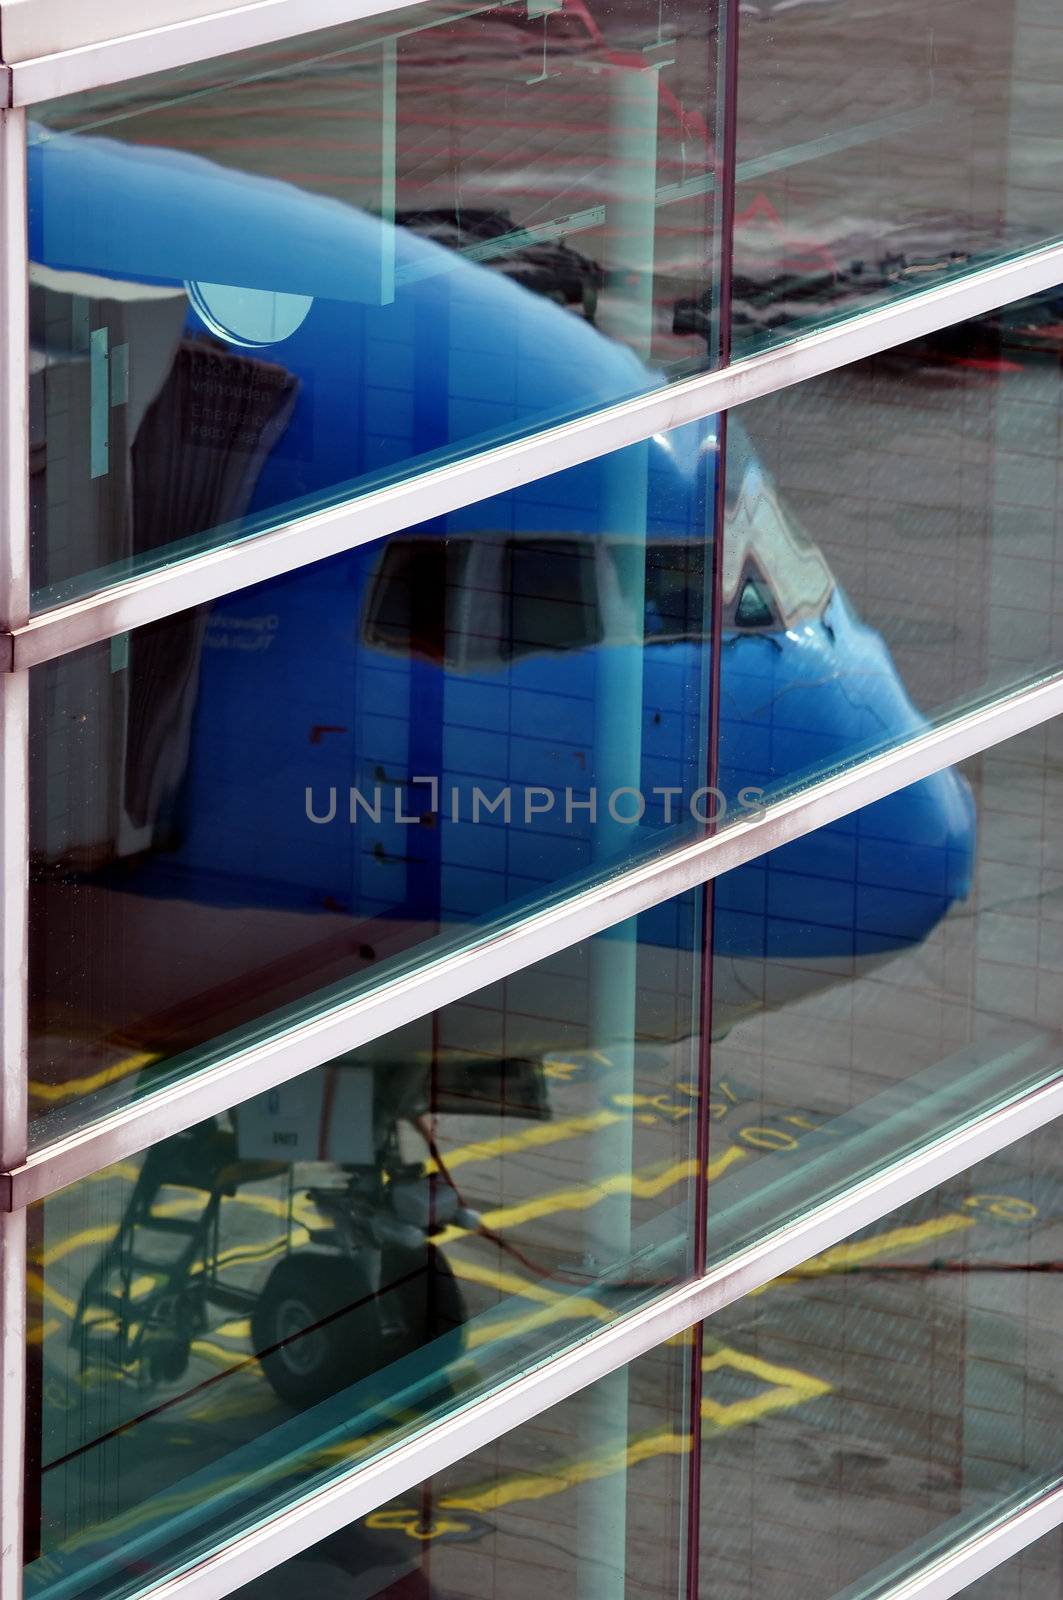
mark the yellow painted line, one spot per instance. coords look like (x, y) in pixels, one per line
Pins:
(402, 1520)
(527, 1323)
(654, 1102)
(49, 1292)
(185, 1499)
(142, 1286)
(788, 1386)
(533, 1138)
(542, 1485)
(42, 1330)
(513, 1283)
(646, 1186)
(105, 1235)
(243, 1254)
(213, 1352)
(239, 1328)
(720, 1164)
(121, 1169)
(303, 1208)
(843, 1256)
(173, 1208)
(73, 1087)
(547, 1205)
(305, 1212)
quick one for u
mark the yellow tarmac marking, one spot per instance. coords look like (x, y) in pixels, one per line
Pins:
(581, 1198)
(53, 1092)
(788, 1387)
(49, 1292)
(533, 1138)
(843, 1256)
(541, 1485)
(43, 1330)
(555, 1301)
(229, 1409)
(120, 1169)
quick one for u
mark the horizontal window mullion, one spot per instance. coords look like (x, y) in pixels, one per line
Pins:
(92, 64)
(204, 578)
(980, 1552)
(495, 955)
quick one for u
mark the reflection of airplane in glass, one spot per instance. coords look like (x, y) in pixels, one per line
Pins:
(289, 400)
(256, 373)
(375, 688)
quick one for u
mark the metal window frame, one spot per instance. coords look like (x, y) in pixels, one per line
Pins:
(26, 641)
(981, 1552)
(182, 43)
(406, 1464)
(14, 887)
(14, 824)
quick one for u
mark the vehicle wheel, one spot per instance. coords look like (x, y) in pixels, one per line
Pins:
(167, 1357)
(166, 1345)
(425, 1302)
(317, 1328)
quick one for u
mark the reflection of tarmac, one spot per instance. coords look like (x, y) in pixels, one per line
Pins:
(797, 1060)
(845, 1367)
(902, 1380)
(831, 1415)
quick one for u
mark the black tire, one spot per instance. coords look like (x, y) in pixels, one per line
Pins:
(316, 1327)
(426, 1301)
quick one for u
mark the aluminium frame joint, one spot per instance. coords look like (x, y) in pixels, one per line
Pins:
(7, 651)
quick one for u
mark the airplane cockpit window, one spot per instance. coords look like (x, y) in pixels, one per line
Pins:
(401, 615)
(754, 608)
(504, 600)
(773, 573)
(677, 592)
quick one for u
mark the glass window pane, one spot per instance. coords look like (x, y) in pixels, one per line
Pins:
(883, 982)
(887, 149)
(893, 1396)
(260, 1302)
(589, 1500)
(264, 284)
(859, 1419)
(243, 810)
(892, 547)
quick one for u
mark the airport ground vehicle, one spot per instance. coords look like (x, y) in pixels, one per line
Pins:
(369, 1286)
